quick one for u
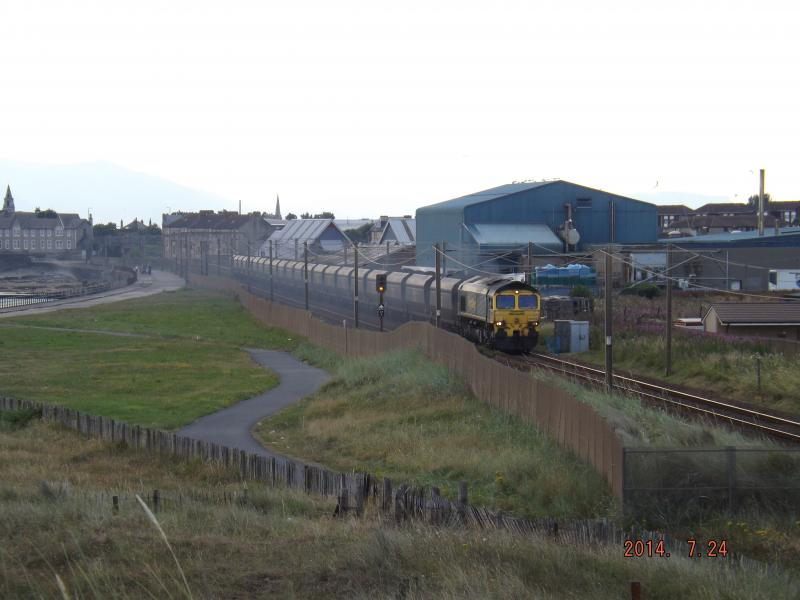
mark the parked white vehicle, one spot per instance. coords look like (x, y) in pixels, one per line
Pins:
(784, 280)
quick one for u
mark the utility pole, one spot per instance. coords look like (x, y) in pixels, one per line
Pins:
(668, 367)
(271, 284)
(444, 258)
(295, 248)
(249, 275)
(530, 263)
(305, 269)
(438, 254)
(761, 203)
(609, 325)
(355, 283)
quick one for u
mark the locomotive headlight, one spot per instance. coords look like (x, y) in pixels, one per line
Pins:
(500, 323)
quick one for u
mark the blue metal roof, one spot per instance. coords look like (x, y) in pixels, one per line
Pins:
(514, 235)
(728, 237)
(490, 194)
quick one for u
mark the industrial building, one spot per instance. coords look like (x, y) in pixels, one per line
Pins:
(494, 227)
(322, 236)
(734, 261)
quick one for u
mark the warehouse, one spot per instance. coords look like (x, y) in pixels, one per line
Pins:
(494, 227)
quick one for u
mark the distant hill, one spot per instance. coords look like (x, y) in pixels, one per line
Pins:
(112, 192)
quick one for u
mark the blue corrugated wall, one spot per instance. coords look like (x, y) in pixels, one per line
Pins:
(636, 221)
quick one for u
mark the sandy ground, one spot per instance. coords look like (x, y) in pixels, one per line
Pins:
(147, 285)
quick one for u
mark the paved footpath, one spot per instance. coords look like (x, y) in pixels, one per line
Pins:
(231, 426)
(147, 285)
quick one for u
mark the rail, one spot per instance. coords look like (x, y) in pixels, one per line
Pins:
(769, 424)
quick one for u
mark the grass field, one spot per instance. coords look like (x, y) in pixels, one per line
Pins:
(189, 313)
(401, 416)
(188, 364)
(56, 519)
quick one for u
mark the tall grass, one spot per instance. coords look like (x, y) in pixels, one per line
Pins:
(284, 544)
(402, 416)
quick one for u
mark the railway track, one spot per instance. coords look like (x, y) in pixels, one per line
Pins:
(748, 419)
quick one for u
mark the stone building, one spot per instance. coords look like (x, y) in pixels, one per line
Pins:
(62, 235)
(191, 235)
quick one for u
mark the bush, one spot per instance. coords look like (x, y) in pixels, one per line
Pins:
(580, 291)
(646, 290)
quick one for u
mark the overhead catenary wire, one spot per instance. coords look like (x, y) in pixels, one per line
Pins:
(696, 285)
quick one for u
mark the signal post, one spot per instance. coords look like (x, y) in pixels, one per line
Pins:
(380, 287)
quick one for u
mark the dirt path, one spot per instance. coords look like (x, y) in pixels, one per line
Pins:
(232, 426)
(147, 285)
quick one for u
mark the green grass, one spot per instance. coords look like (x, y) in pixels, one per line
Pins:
(401, 416)
(189, 364)
(189, 313)
(56, 519)
(151, 382)
(721, 368)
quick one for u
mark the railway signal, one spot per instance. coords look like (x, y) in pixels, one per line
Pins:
(380, 287)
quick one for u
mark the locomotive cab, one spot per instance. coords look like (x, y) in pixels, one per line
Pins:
(501, 313)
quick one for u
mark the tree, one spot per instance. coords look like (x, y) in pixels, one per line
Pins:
(47, 213)
(102, 229)
(359, 234)
(305, 215)
(753, 200)
(153, 229)
(323, 215)
(291, 216)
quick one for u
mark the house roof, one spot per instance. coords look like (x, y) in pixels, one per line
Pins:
(756, 313)
(725, 207)
(209, 220)
(716, 238)
(674, 209)
(501, 235)
(29, 220)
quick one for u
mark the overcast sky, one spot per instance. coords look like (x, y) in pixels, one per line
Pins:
(373, 107)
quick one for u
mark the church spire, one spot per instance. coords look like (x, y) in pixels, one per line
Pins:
(278, 208)
(8, 202)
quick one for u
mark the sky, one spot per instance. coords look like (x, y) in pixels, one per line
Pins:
(368, 108)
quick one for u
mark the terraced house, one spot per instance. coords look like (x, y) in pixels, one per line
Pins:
(43, 232)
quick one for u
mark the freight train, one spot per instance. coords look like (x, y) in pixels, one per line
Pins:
(497, 311)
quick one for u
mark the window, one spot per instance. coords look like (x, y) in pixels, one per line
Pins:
(41, 232)
(42, 244)
(69, 244)
(16, 244)
(16, 231)
(24, 244)
(463, 304)
(58, 244)
(24, 233)
(583, 203)
(504, 302)
(49, 233)
(7, 242)
(59, 232)
(528, 302)
(49, 244)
